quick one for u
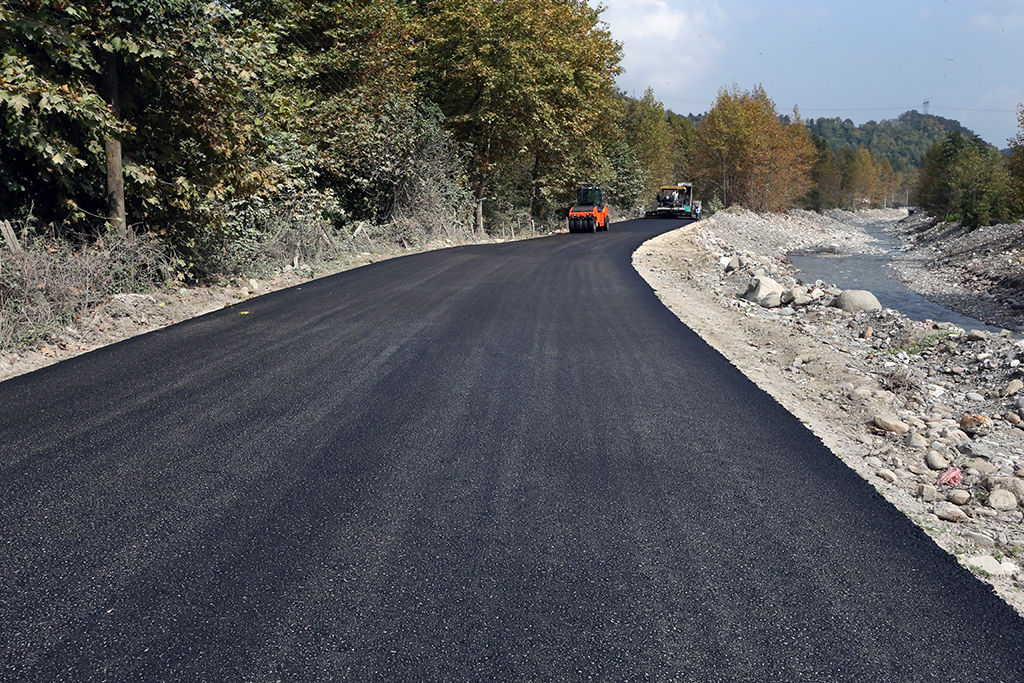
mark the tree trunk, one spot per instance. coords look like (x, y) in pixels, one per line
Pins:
(112, 147)
(480, 216)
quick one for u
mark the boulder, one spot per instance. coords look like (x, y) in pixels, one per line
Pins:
(770, 300)
(1013, 387)
(791, 294)
(977, 425)
(1001, 499)
(991, 565)
(889, 423)
(949, 512)
(853, 300)
(1014, 485)
(760, 287)
(958, 496)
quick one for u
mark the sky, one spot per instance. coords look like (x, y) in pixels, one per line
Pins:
(862, 60)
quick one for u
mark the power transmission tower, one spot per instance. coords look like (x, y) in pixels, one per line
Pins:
(926, 103)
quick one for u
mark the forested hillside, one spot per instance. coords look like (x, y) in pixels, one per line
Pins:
(902, 141)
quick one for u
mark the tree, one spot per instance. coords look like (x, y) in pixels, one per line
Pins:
(649, 135)
(189, 135)
(826, 177)
(524, 83)
(747, 155)
(964, 179)
(1015, 162)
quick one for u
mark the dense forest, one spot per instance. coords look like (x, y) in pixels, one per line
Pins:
(221, 137)
(901, 141)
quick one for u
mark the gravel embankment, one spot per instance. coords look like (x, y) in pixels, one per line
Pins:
(931, 414)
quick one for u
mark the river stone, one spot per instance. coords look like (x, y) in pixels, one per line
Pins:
(853, 300)
(790, 294)
(976, 335)
(980, 540)
(987, 563)
(770, 300)
(982, 466)
(926, 492)
(889, 423)
(1014, 485)
(958, 496)
(936, 461)
(915, 441)
(886, 475)
(1001, 499)
(760, 287)
(1013, 387)
(949, 512)
(979, 425)
(975, 450)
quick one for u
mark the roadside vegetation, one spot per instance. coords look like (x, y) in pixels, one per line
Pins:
(165, 142)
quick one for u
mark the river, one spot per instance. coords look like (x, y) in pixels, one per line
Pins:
(875, 273)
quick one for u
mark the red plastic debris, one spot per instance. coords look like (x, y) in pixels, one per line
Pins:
(951, 476)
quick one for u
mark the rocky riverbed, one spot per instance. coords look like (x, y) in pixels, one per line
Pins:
(928, 412)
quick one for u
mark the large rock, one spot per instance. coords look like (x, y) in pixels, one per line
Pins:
(1001, 499)
(958, 497)
(978, 425)
(1014, 485)
(760, 287)
(853, 300)
(790, 294)
(889, 423)
(949, 512)
(991, 565)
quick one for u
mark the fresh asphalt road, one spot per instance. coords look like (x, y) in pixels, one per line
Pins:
(488, 463)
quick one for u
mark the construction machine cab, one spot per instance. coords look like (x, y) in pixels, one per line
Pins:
(589, 195)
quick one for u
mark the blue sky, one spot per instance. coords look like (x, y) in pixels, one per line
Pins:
(862, 60)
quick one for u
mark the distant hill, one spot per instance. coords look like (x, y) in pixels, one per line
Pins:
(902, 140)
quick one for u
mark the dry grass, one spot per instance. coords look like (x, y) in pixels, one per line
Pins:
(51, 283)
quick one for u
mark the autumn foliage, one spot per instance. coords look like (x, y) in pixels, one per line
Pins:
(747, 155)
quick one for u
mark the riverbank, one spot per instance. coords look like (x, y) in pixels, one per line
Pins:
(888, 395)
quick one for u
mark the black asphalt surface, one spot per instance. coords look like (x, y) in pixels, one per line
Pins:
(488, 463)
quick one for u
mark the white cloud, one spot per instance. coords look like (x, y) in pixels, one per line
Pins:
(1000, 16)
(667, 44)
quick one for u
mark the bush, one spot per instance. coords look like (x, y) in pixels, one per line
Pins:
(53, 282)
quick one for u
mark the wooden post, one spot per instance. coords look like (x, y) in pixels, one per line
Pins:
(12, 239)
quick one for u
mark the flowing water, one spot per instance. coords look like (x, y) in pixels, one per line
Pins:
(874, 272)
